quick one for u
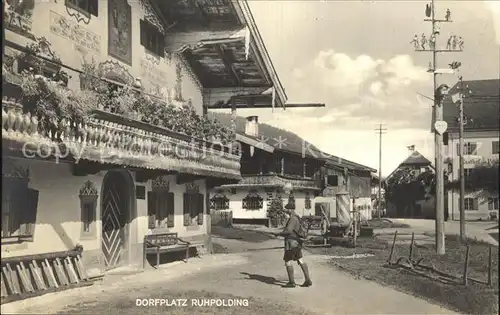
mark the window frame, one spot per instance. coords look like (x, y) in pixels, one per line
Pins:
(88, 207)
(497, 144)
(493, 203)
(148, 32)
(86, 9)
(307, 201)
(328, 181)
(14, 220)
(468, 146)
(469, 204)
(252, 201)
(467, 172)
(217, 200)
(161, 208)
(193, 208)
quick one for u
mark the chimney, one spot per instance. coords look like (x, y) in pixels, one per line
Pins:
(252, 126)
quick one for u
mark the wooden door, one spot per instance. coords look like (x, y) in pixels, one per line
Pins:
(113, 210)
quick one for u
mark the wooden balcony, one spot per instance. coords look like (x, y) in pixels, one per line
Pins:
(108, 138)
(273, 181)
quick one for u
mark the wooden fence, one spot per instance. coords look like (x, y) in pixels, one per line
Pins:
(28, 274)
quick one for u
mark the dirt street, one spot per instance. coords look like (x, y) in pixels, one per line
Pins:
(256, 275)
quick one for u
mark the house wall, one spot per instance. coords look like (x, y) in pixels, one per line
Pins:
(236, 203)
(360, 186)
(86, 40)
(58, 221)
(484, 140)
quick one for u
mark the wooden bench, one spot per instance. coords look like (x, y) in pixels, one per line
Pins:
(165, 243)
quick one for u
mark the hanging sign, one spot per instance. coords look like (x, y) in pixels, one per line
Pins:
(440, 126)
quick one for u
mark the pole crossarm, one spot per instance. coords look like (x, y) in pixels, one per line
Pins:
(439, 50)
(440, 21)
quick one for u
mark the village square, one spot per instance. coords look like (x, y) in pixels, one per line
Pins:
(244, 157)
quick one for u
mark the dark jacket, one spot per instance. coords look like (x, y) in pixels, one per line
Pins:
(289, 232)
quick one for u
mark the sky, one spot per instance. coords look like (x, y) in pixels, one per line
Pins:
(356, 57)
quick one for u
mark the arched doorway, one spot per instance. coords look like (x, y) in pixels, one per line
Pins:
(115, 213)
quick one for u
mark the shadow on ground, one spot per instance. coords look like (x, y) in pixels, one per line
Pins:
(493, 234)
(263, 279)
(240, 234)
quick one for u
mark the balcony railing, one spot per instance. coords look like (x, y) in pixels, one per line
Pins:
(109, 138)
(43, 117)
(276, 181)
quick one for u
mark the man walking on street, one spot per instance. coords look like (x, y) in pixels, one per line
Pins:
(293, 248)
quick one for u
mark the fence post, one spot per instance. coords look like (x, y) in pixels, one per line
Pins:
(411, 246)
(490, 265)
(466, 265)
(389, 260)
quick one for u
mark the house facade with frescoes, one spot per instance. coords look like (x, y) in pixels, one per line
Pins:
(481, 149)
(104, 132)
(279, 165)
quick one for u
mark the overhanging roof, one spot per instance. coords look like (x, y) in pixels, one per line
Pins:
(481, 106)
(218, 54)
(212, 37)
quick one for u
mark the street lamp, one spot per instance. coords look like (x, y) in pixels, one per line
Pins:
(288, 188)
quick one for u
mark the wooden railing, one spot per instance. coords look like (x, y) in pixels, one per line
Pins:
(275, 180)
(111, 138)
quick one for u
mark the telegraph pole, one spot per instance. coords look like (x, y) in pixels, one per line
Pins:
(380, 131)
(461, 155)
(439, 125)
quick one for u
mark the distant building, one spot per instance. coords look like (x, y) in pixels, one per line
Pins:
(415, 164)
(481, 142)
(273, 161)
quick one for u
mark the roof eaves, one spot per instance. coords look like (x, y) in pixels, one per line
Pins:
(261, 50)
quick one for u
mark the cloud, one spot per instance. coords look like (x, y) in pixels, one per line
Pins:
(360, 92)
(494, 7)
(364, 88)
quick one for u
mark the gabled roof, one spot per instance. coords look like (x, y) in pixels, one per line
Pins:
(482, 105)
(416, 159)
(291, 143)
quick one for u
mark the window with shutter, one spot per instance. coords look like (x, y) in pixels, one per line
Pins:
(87, 7)
(291, 201)
(307, 202)
(495, 147)
(170, 209)
(187, 210)
(471, 203)
(29, 212)
(151, 209)
(161, 207)
(19, 210)
(88, 205)
(201, 206)
(152, 39)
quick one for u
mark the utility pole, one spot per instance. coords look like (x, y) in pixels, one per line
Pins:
(461, 156)
(439, 92)
(380, 131)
